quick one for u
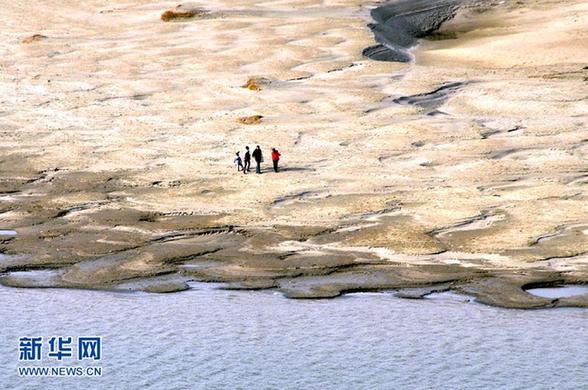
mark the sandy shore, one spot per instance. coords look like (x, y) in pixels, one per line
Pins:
(464, 169)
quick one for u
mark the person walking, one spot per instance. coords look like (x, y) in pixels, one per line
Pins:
(275, 158)
(238, 162)
(258, 157)
(247, 160)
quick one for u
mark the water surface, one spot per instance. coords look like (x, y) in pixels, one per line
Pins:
(559, 292)
(208, 338)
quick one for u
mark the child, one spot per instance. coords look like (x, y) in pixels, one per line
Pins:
(238, 162)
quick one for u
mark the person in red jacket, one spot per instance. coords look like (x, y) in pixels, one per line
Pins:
(275, 158)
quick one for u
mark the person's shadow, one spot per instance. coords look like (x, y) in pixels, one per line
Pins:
(295, 169)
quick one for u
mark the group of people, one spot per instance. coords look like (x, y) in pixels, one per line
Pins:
(244, 164)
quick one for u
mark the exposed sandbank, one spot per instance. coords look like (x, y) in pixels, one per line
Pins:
(463, 170)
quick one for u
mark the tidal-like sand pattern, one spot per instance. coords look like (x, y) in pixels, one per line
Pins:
(461, 169)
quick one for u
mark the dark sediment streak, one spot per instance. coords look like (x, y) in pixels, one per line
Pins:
(401, 23)
(431, 100)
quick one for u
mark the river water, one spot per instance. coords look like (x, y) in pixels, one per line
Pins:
(212, 338)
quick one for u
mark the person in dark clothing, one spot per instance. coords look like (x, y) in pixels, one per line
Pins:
(258, 157)
(246, 160)
(275, 158)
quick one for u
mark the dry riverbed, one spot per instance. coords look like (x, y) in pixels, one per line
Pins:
(461, 170)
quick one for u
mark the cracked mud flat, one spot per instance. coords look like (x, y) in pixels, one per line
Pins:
(462, 170)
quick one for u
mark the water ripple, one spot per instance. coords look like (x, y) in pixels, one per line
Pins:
(207, 338)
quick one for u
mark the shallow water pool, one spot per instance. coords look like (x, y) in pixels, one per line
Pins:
(559, 292)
